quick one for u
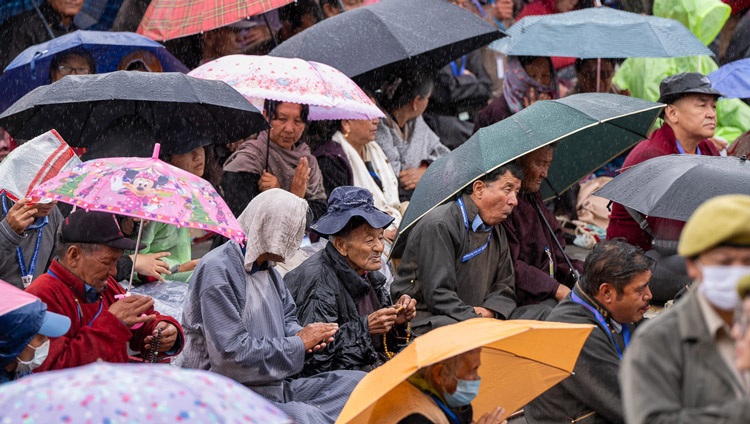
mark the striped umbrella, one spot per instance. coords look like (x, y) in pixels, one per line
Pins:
(170, 19)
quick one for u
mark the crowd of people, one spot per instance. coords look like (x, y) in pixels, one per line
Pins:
(302, 326)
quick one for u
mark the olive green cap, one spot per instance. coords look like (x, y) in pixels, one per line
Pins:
(720, 221)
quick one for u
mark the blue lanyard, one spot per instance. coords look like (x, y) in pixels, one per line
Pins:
(448, 413)
(78, 304)
(481, 249)
(603, 322)
(456, 70)
(25, 273)
(682, 151)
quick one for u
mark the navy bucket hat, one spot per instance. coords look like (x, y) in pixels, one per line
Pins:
(345, 203)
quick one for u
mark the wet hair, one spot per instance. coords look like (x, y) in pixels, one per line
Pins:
(615, 262)
(527, 60)
(61, 57)
(400, 90)
(294, 12)
(495, 174)
(333, 3)
(271, 107)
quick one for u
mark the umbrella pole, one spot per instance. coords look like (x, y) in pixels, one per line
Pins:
(135, 255)
(598, 74)
(270, 31)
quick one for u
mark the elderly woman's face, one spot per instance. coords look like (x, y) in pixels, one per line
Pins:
(287, 127)
(362, 248)
(66, 7)
(742, 337)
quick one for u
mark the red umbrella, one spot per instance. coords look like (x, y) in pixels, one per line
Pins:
(169, 19)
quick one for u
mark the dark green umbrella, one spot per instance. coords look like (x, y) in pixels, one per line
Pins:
(590, 130)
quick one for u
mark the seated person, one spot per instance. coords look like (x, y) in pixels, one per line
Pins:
(440, 393)
(457, 263)
(25, 328)
(613, 295)
(341, 284)
(543, 273)
(79, 285)
(241, 321)
(76, 61)
(276, 159)
(408, 143)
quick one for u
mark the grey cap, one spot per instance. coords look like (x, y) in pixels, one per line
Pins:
(675, 86)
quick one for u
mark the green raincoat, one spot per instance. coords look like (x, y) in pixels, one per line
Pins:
(704, 18)
(161, 237)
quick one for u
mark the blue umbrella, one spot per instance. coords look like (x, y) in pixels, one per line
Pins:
(732, 79)
(599, 32)
(30, 69)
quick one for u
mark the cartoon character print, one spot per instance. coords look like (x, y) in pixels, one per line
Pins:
(141, 190)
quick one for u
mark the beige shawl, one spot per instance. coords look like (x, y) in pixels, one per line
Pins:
(273, 222)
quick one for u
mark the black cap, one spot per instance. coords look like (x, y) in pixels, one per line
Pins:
(96, 228)
(345, 203)
(675, 86)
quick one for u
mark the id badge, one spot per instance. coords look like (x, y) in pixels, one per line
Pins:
(26, 279)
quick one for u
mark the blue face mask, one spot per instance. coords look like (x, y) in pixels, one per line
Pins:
(466, 391)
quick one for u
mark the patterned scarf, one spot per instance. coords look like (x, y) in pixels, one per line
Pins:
(517, 83)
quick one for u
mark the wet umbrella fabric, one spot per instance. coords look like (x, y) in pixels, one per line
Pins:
(169, 19)
(590, 130)
(330, 94)
(674, 186)
(600, 32)
(30, 69)
(81, 107)
(520, 360)
(133, 393)
(368, 43)
(732, 79)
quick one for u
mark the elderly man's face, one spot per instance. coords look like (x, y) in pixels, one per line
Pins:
(362, 248)
(535, 167)
(742, 337)
(466, 368)
(694, 113)
(630, 305)
(66, 7)
(94, 268)
(496, 200)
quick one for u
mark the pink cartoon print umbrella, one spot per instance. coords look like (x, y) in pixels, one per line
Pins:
(144, 188)
(330, 93)
(133, 394)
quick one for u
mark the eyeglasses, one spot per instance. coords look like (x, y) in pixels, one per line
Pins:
(67, 70)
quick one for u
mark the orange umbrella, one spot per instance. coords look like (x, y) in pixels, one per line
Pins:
(520, 360)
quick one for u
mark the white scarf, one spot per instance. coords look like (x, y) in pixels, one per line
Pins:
(385, 199)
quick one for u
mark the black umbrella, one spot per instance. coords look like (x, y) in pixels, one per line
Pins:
(83, 108)
(368, 43)
(674, 186)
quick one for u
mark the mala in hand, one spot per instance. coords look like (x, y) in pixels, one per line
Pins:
(389, 354)
(153, 353)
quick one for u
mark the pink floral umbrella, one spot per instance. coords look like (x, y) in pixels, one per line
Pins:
(145, 188)
(330, 93)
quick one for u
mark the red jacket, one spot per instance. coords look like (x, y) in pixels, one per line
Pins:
(106, 338)
(621, 224)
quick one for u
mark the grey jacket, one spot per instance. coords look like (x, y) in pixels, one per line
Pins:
(9, 241)
(674, 373)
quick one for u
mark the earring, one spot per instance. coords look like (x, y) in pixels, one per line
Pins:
(346, 135)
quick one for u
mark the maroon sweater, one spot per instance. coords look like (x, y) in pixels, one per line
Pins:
(106, 338)
(621, 224)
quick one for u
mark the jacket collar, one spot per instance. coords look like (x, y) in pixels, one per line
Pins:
(78, 286)
(593, 302)
(357, 286)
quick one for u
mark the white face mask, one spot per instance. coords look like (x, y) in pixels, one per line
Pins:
(719, 285)
(40, 354)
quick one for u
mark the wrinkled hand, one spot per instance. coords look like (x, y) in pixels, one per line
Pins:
(317, 335)
(168, 336)
(151, 265)
(532, 97)
(410, 177)
(492, 417)
(484, 312)
(188, 266)
(562, 291)
(258, 34)
(21, 215)
(268, 181)
(504, 9)
(381, 321)
(407, 309)
(130, 308)
(301, 176)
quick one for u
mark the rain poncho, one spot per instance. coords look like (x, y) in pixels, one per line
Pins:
(642, 76)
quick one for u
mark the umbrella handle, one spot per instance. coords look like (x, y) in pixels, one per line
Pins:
(157, 149)
(137, 244)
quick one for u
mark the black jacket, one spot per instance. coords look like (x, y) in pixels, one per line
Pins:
(325, 289)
